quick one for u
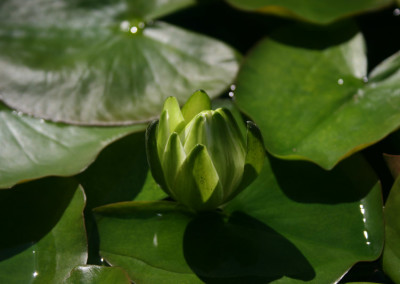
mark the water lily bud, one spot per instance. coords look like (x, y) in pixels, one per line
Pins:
(199, 156)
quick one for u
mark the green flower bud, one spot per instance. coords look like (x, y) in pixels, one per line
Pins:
(199, 156)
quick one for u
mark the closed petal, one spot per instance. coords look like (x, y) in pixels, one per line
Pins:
(197, 182)
(227, 149)
(193, 133)
(174, 156)
(175, 117)
(255, 155)
(163, 133)
(153, 158)
(197, 103)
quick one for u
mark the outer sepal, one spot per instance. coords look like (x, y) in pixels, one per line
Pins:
(152, 156)
(255, 155)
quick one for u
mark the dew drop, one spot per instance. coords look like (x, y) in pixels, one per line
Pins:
(231, 94)
(141, 25)
(365, 79)
(124, 26)
(340, 81)
(396, 12)
(133, 30)
(233, 87)
(35, 274)
(159, 214)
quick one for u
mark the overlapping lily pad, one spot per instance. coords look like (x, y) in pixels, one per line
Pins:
(43, 235)
(31, 148)
(101, 62)
(311, 100)
(321, 12)
(295, 223)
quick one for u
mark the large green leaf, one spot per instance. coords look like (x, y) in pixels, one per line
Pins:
(92, 274)
(43, 235)
(321, 12)
(295, 221)
(120, 173)
(391, 253)
(146, 239)
(309, 98)
(31, 148)
(98, 62)
(333, 217)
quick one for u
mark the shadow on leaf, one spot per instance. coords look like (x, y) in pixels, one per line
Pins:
(30, 210)
(241, 249)
(305, 182)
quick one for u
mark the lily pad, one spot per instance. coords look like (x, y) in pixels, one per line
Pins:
(319, 222)
(391, 253)
(120, 173)
(93, 274)
(31, 148)
(43, 234)
(321, 12)
(100, 62)
(311, 100)
(146, 239)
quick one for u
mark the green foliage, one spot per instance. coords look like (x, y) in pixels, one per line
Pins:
(81, 80)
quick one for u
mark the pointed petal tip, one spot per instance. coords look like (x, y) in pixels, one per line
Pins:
(199, 101)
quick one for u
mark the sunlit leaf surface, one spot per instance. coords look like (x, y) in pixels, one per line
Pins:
(92, 274)
(100, 62)
(31, 148)
(311, 99)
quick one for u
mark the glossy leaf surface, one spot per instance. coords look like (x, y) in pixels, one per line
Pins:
(295, 221)
(92, 274)
(146, 240)
(120, 173)
(321, 12)
(31, 148)
(391, 253)
(310, 99)
(97, 62)
(43, 234)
